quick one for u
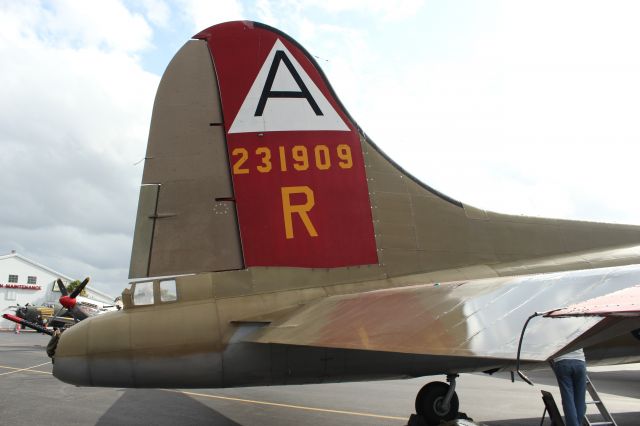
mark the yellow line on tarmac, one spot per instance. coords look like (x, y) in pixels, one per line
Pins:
(24, 346)
(30, 369)
(297, 407)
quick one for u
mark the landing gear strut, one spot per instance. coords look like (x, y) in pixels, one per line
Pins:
(438, 401)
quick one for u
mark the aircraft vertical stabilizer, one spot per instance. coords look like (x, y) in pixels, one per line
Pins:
(254, 162)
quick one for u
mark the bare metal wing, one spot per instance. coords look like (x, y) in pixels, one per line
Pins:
(474, 319)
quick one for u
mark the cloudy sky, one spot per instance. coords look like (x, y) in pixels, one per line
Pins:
(518, 107)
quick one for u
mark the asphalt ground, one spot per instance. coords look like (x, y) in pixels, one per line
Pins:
(30, 395)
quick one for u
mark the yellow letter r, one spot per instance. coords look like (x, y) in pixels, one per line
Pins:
(289, 209)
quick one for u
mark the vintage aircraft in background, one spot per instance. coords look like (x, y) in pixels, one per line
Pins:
(80, 307)
(72, 308)
(275, 243)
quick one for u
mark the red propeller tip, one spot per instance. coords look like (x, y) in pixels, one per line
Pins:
(67, 302)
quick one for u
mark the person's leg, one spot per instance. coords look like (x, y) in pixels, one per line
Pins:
(565, 383)
(579, 388)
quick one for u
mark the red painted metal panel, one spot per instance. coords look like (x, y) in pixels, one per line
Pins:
(624, 302)
(296, 159)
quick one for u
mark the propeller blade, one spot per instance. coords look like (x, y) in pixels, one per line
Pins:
(68, 301)
(70, 304)
(62, 288)
(26, 323)
(79, 289)
(78, 314)
(57, 314)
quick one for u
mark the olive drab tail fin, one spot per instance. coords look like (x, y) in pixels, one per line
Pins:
(253, 161)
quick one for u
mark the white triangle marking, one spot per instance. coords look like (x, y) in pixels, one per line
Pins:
(285, 113)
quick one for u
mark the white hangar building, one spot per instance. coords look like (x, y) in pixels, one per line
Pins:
(24, 281)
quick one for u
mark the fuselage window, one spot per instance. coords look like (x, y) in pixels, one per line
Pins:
(168, 291)
(143, 293)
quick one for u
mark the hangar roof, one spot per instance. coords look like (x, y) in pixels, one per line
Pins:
(36, 264)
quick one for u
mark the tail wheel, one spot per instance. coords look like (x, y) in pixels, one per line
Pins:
(430, 403)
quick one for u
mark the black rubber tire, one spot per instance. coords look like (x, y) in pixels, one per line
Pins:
(428, 403)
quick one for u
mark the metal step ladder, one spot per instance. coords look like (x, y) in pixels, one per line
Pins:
(595, 399)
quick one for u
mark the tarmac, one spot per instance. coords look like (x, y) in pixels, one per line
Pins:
(30, 395)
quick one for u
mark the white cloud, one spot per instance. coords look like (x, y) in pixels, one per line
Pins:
(266, 14)
(107, 24)
(157, 12)
(534, 115)
(381, 9)
(74, 114)
(204, 13)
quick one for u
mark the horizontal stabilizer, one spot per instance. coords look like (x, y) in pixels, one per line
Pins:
(477, 318)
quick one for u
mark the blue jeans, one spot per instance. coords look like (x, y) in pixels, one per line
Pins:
(572, 380)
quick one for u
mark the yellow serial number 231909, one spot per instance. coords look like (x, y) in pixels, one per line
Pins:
(297, 158)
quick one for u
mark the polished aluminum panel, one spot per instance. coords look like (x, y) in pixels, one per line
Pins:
(476, 318)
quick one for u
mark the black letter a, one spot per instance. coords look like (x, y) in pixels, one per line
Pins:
(267, 93)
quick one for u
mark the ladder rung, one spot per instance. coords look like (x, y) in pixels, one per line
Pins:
(604, 413)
